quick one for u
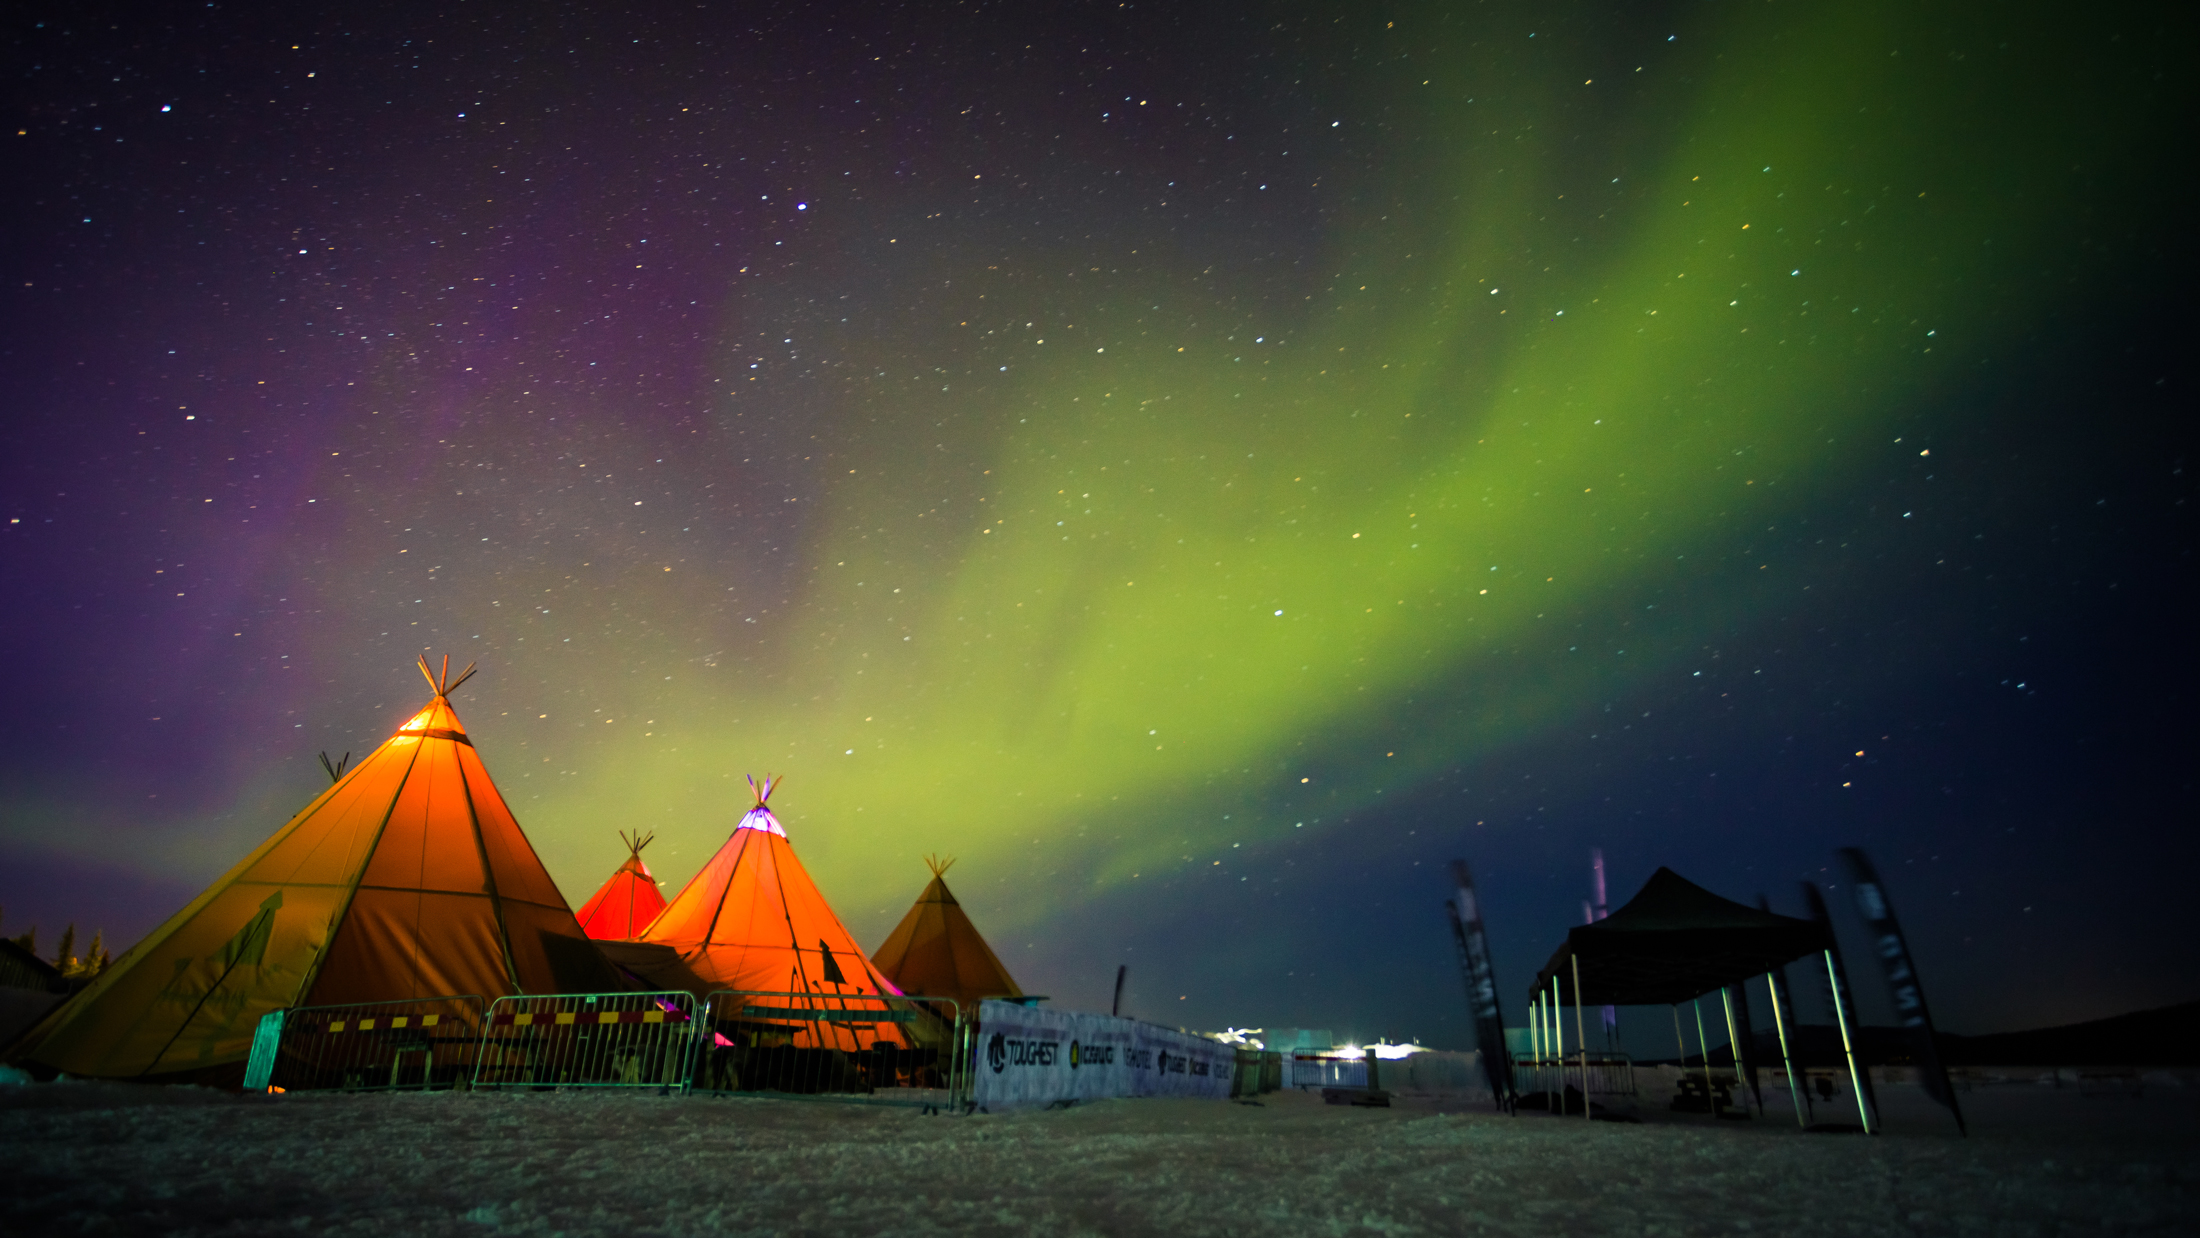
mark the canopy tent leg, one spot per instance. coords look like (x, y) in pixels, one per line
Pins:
(1534, 1034)
(1833, 978)
(1703, 1048)
(1543, 1014)
(1680, 1045)
(1779, 1024)
(1558, 1030)
(1581, 1041)
(1734, 1045)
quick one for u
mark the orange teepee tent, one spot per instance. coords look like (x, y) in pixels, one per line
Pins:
(628, 901)
(407, 878)
(753, 920)
(936, 951)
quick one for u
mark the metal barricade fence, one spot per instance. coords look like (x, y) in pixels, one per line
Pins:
(420, 1044)
(906, 1050)
(1324, 1070)
(1611, 1074)
(588, 1040)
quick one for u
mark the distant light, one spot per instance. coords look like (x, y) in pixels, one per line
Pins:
(802, 206)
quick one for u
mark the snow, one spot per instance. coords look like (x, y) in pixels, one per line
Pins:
(86, 1158)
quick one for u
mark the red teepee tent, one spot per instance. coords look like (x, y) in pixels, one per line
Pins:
(628, 901)
(753, 920)
(407, 878)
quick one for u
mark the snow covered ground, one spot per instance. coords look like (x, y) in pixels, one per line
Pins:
(80, 1158)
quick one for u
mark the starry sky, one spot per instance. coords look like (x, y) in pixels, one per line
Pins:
(1202, 466)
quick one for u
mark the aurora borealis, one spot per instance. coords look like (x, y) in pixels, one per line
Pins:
(1201, 468)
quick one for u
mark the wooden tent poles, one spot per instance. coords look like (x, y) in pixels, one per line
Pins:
(442, 682)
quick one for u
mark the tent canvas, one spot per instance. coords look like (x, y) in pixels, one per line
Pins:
(625, 904)
(407, 878)
(1673, 941)
(936, 951)
(753, 920)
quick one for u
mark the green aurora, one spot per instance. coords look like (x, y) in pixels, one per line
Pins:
(1133, 512)
(1195, 573)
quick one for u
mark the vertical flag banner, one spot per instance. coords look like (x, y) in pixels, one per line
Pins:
(1903, 987)
(1481, 982)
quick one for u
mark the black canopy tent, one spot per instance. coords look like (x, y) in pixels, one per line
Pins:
(1673, 942)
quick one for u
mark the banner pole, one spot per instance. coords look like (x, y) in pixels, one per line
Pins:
(1556, 1012)
(1840, 1016)
(1581, 1041)
(1786, 1063)
(1535, 1042)
(1681, 1045)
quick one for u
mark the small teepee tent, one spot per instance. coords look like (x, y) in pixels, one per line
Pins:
(407, 878)
(753, 920)
(628, 901)
(937, 952)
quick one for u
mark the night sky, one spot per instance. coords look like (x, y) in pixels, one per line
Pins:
(1204, 466)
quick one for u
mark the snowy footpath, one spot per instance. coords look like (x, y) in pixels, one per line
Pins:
(81, 1158)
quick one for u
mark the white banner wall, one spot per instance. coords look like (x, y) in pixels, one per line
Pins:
(1027, 1056)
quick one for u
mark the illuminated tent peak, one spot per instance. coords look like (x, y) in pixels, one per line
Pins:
(753, 920)
(628, 901)
(936, 951)
(406, 878)
(760, 817)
